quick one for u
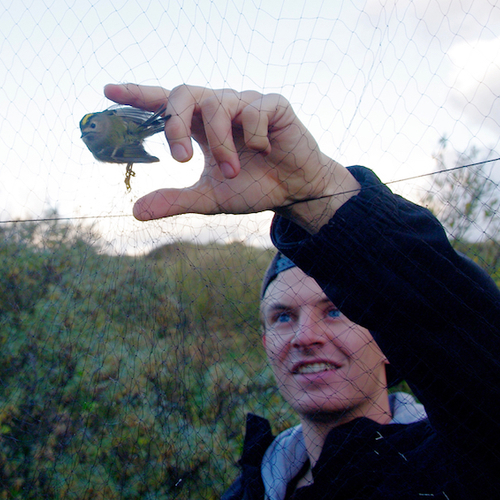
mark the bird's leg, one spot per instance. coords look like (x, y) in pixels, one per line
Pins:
(128, 174)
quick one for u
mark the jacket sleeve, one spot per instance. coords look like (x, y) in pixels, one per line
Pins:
(387, 264)
(236, 491)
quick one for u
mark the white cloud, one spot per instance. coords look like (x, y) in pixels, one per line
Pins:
(475, 82)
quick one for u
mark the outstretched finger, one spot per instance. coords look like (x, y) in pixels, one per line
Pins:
(139, 96)
(168, 202)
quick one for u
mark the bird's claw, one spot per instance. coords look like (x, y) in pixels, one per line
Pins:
(128, 174)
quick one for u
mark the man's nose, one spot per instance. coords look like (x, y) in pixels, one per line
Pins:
(308, 331)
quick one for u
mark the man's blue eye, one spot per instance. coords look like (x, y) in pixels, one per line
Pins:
(333, 313)
(283, 317)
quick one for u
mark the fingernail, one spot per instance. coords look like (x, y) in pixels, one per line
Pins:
(227, 170)
(179, 152)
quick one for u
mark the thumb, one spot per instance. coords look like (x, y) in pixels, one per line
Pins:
(169, 202)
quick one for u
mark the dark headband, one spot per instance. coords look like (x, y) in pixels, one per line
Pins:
(279, 264)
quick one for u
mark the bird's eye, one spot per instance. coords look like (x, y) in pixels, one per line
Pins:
(92, 125)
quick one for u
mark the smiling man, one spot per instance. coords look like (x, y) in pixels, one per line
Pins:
(331, 372)
(329, 369)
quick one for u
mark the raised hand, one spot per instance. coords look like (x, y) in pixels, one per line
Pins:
(258, 155)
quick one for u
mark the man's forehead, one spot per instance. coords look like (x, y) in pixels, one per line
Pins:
(293, 286)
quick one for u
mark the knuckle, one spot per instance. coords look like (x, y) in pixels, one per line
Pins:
(175, 128)
(277, 101)
(221, 150)
(180, 89)
(211, 105)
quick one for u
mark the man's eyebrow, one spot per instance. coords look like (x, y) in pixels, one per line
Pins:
(326, 300)
(277, 306)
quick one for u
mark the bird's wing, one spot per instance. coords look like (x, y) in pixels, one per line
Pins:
(149, 123)
(127, 153)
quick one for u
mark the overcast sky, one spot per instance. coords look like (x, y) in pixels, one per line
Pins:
(378, 82)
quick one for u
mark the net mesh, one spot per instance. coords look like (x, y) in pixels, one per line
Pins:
(131, 352)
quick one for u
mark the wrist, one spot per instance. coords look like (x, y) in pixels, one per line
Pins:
(315, 211)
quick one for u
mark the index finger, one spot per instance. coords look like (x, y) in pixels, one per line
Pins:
(140, 96)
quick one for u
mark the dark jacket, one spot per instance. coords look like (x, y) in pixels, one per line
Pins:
(388, 266)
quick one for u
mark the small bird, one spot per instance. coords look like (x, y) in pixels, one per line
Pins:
(117, 134)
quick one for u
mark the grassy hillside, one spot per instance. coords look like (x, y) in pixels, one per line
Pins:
(126, 377)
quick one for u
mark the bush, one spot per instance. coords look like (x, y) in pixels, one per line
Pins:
(126, 377)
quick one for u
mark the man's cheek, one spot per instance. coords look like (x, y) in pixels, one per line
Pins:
(275, 349)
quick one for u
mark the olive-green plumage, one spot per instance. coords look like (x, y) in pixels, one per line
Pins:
(117, 134)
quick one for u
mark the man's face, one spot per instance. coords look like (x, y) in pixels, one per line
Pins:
(322, 361)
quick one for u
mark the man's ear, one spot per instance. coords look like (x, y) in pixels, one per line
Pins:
(264, 337)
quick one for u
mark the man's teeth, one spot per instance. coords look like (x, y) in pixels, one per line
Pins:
(315, 368)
